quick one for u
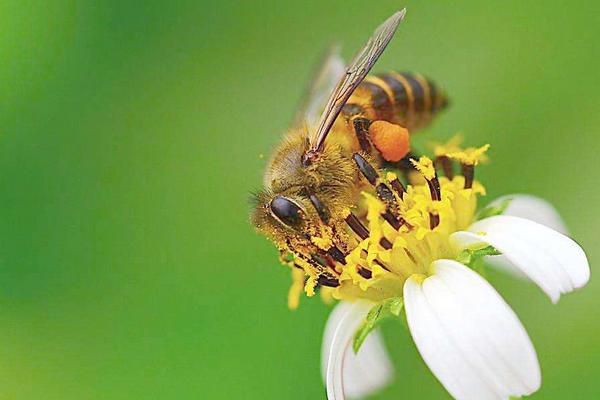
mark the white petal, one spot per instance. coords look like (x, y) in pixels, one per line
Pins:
(528, 207)
(468, 336)
(534, 209)
(556, 263)
(350, 375)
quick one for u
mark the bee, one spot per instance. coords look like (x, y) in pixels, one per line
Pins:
(314, 177)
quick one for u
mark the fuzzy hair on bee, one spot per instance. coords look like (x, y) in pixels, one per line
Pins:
(331, 176)
(331, 181)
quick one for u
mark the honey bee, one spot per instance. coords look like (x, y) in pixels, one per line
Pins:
(315, 176)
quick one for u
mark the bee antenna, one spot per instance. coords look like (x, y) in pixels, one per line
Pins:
(321, 208)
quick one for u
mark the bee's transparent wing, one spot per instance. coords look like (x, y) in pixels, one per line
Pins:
(322, 84)
(360, 66)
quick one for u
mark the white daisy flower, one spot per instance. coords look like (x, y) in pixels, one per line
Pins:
(467, 334)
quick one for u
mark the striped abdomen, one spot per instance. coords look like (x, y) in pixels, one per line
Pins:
(409, 100)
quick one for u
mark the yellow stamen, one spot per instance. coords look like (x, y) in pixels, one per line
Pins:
(451, 146)
(470, 155)
(425, 167)
(296, 288)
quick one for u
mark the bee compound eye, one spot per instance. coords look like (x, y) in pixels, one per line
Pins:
(286, 211)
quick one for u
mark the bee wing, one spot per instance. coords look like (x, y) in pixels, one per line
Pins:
(323, 82)
(360, 66)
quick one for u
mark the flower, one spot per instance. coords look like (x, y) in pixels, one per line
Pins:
(466, 333)
(418, 246)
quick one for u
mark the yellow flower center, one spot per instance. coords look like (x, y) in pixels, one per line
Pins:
(376, 273)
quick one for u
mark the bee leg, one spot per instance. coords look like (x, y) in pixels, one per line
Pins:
(326, 280)
(404, 165)
(317, 261)
(383, 191)
(363, 232)
(326, 277)
(361, 128)
(325, 216)
(366, 169)
(385, 194)
(322, 210)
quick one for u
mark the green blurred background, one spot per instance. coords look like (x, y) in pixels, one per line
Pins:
(131, 136)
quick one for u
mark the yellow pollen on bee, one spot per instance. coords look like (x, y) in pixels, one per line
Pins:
(322, 242)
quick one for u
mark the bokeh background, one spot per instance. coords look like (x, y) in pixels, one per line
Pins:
(131, 134)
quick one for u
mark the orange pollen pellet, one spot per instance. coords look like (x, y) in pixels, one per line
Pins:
(392, 141)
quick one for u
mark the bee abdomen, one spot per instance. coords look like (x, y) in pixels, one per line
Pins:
(410, 100)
